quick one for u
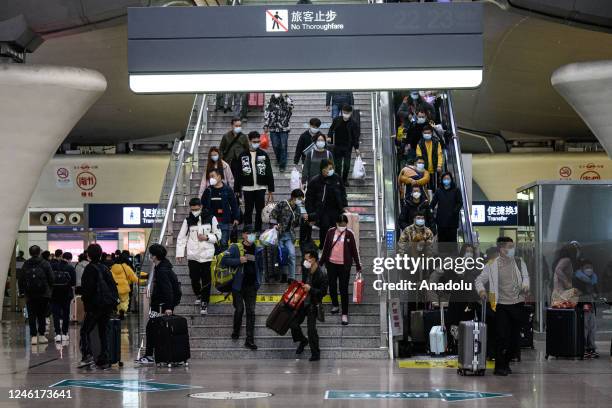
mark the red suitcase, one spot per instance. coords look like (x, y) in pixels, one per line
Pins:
(295, 295)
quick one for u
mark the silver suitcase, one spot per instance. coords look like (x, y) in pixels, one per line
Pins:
(473, 346)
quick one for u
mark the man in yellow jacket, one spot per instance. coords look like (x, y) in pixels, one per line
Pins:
(431, 151)
(124, 276)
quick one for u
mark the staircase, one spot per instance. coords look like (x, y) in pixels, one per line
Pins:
(210, 335)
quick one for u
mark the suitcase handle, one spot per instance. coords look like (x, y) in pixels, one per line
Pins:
(484, 312)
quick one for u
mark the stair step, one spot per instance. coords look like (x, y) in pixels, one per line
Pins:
(289, 353)
(324, 329)
(272, 340)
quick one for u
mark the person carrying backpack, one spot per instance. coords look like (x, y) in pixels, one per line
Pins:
(166, 296)
(247, 258)
(100, 298)
(35, 284)
(64, 281)
(196, 241)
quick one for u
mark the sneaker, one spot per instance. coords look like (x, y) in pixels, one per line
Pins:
(198, 302)
(335, 310)
(86, 362)
(235, 336)
(501, 372)
(105, 367)
(42, 340)
(345, 320)
(58, 338)
(250, 345)
(65, 337)
(594, 354)
(301, 347)
(145, 360)
(204, 310)
(34, 340)
(314, 358)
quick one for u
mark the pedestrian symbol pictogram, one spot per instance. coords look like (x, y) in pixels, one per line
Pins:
(277, 20)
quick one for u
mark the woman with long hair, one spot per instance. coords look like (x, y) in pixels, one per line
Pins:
(216, 162)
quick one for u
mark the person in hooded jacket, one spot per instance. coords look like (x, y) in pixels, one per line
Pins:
(448, 202)
(414, 203)
(313, 159)
(307, 140)
(125, 276)
(196, 241)
(166, 296)
(325, 199)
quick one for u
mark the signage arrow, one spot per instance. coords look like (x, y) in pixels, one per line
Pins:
(123, 385)
(444, 395)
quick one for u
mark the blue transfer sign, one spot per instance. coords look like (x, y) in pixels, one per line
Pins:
(123, 385)
(390, 236)
(444, 395)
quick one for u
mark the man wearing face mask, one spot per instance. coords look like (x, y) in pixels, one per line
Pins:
(253, 173)
(414, 174)
(411, 105)
(313, 158)
(414, 203)
(233, 143)
(344, 134)
(334, 101)
(325, 198)
(416, 233)
(219, 200)
(248, 258)
(448, 202)
(430, 149)
(287, 215)
(197, 238)
(508, 281)
(276, 120)
(306, 141)
(315, 282)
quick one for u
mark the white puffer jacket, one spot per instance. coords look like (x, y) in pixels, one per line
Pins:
(199, 251)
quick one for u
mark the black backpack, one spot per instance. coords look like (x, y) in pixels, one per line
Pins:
(35, 282)
(107, 295)
(61, 277)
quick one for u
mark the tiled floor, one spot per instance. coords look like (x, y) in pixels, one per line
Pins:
(297, 383)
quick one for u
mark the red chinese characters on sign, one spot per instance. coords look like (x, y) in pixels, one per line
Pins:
(590, 175)
(86, 180)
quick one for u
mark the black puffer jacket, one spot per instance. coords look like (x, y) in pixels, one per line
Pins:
(449, 203)
(410, 210)
(325, 194)
(166, 288)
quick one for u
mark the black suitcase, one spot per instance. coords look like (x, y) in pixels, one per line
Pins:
(564, 333)
(172, 341)
(113, 339)
(272, 268)
(526, 340)
(280, 318)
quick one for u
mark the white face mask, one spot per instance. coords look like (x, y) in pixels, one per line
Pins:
(420, 166)
(298, 202)
(341, 228)
(421, 120)
(307, 264)
(237, 130)
(314, 131)
(196, 213)
(277, 95)
(416, 194)
(214, 157)
(588, 271)
(212, 181)
(254, 146)
(346, 116)
(510, 252)
(320, 145)
(419, 222)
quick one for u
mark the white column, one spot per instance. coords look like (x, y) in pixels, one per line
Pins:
(39, 105)
(587, 87)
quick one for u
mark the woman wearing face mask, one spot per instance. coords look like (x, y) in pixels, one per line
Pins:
(449, 203)
(196, 241)
(411, 104)
(276, 119)
(325, 198)
(586, 281)
(216, 162)
(339, 253)
(314, 157)
(414, 203)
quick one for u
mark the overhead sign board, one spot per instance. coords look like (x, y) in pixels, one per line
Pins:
(123, 215)
(500, 213)
(184, 49)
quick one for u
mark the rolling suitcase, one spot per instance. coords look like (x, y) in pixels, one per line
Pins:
(473, 346)
(417, 327)
(172, 341)
(113, 339)
(256, 100)
(280, 318)
(77, 310)
(437, 337)
(526, 340)
(564, 333)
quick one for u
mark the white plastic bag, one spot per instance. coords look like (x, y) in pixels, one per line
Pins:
(296, 179)
(269, 237)
(358, 169)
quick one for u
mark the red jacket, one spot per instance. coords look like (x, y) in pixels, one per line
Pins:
(351, 253)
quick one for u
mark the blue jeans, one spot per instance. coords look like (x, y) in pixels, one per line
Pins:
(279, 144)
(225, 234)
(336, 110)
(286, 241)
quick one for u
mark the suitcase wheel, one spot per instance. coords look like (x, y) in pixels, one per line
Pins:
(120, 364)
(186, 364)
(459, 371)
